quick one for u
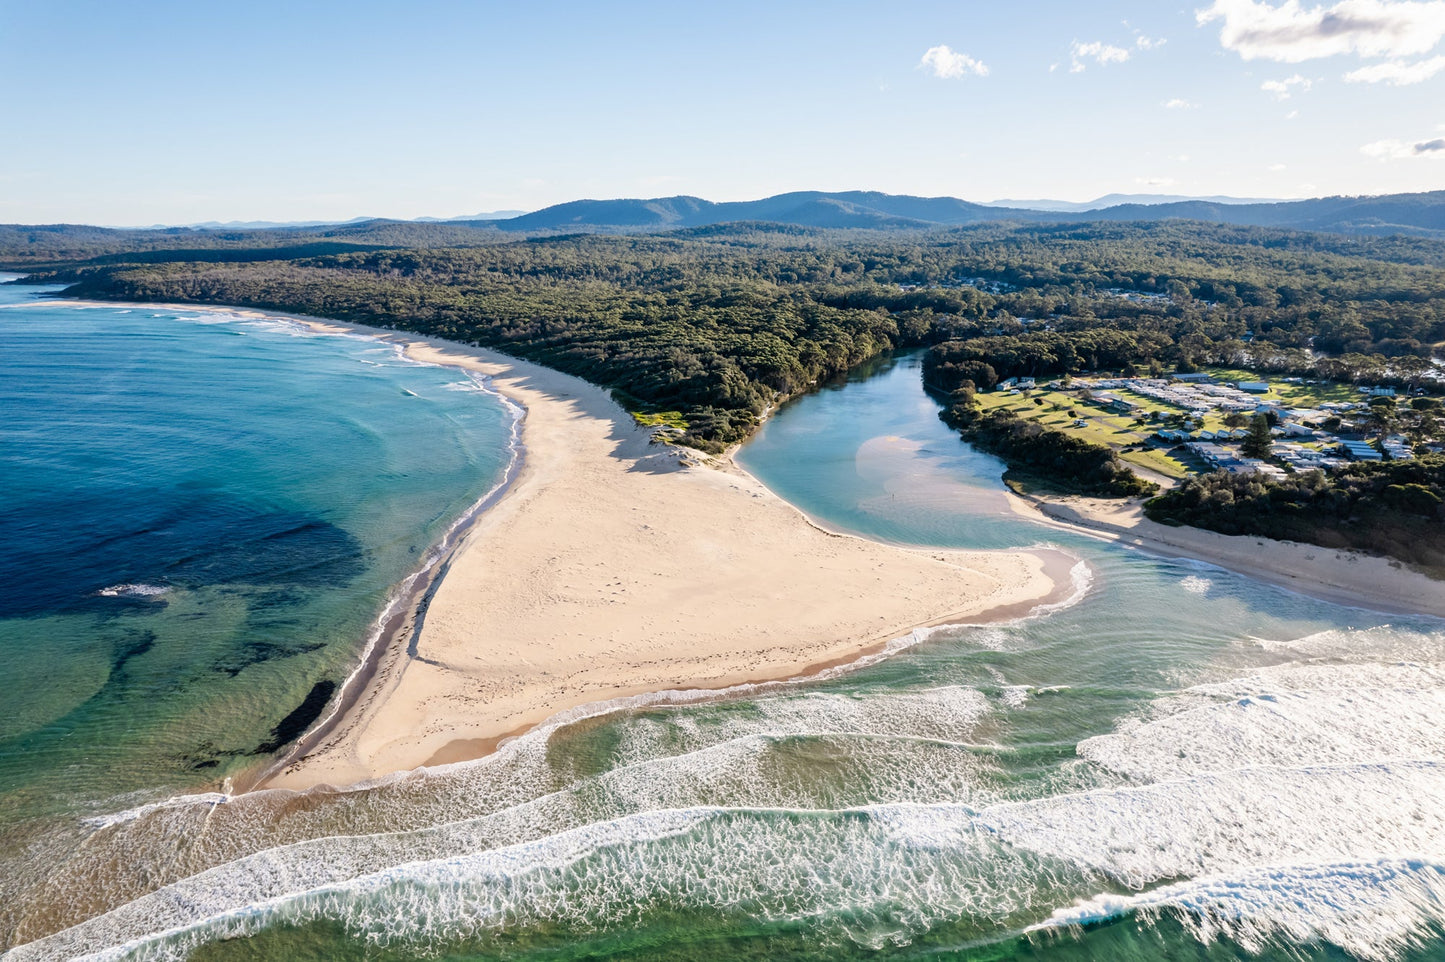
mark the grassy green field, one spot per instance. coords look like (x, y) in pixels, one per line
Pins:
(1116, 431)
(1292, 395)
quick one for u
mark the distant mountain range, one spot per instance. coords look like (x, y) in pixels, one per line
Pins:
(1114, 200)
(1420, 214)
(297, 224)
(1395, 213)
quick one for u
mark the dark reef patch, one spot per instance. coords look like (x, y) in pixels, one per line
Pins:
(135, 644)
(293, 725)
(261, 650)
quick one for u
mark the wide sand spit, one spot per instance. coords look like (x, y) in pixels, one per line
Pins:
(613, 566)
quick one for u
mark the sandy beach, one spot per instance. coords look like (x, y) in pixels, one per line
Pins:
(1342, 577)
(612, 567)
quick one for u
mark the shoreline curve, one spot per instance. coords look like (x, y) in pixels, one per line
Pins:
(429, 706)
(610, 567)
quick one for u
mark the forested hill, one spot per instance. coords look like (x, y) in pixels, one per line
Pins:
(1422, 214)
(706, 328)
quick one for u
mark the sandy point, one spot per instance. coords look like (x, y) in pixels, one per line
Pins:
(613, 566)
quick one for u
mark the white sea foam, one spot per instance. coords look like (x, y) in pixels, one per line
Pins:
(140, 811)
(133, 591)
(1374, 910)
(886, 871)
(1290, 714)
(173, 839)
(950, 713)
(1015, 696)
(1081, 577)
(1377, 644)
(1196, 585)
(1231, 821)
(744, 770)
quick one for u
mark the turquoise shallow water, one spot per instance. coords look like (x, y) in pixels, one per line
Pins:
(203, 517)
(1180, 764)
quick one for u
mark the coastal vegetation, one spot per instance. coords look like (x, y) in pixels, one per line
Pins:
(1394, 508)
(704, 329)
(1056, 460)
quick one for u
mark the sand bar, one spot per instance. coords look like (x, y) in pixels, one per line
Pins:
(1343, 577)
(613, 566)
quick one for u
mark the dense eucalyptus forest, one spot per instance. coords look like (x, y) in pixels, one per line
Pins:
(713, 325)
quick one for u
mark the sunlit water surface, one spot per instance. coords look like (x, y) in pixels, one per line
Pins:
(1181, 764)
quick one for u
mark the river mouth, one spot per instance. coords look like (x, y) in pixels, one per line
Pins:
(1185, 760)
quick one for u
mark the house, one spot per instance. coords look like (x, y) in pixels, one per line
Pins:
(1007, 384)
(1398, 449)
(1191, 378)
(1254, 466)
(1213, 454)
(1114, 403)
(1378, 391)
(1025, 384)
(1252, 387)
(1360, 451)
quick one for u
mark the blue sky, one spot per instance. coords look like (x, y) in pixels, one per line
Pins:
(162, 112)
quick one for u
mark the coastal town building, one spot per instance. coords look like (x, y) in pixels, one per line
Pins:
(1361, 451)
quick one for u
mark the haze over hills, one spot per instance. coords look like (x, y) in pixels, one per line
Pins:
(1397, 213)
(1421, 214)
(1114, 200)
(291, 224)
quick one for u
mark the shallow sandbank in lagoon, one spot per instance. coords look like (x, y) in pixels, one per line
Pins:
(614, 567)
(1342, 577)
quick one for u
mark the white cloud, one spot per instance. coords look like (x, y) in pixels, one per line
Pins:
(1276, 167)
(1179, 103)
(950, 65)
(1397, 73)
(1284, 89)
(1098, 51)
(1149, 43)
(1292, 33)
(1405, 150)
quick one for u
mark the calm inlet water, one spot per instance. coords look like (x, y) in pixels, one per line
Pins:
(1180, 764)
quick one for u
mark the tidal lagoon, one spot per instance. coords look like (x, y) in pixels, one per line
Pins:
(1171, 761)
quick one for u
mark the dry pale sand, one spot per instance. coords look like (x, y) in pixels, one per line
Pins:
(615, 567)
(1343, 577)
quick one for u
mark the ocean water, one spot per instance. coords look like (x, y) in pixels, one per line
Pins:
(1180, 764)
(203, 516)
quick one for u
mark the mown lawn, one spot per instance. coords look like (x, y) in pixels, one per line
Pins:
(1116, 431)
(1292, 395)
